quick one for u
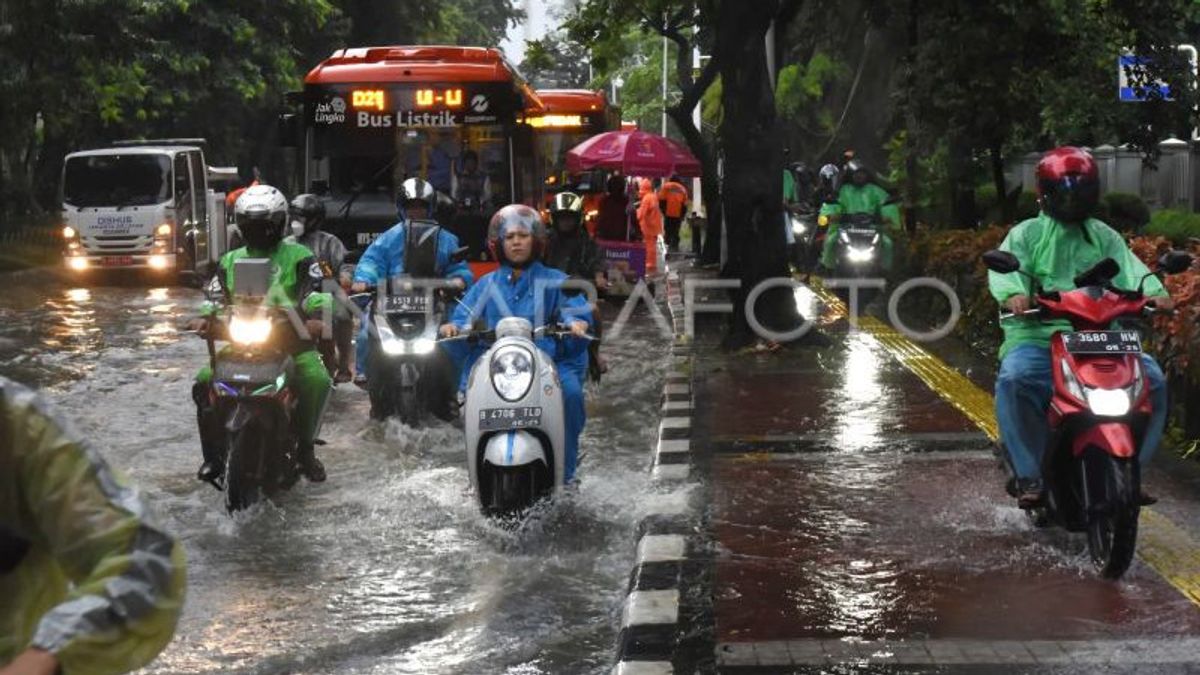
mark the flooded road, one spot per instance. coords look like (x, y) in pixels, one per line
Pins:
(385, 568)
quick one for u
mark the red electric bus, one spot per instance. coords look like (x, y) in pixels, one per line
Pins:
(569, 117)
(375, 116)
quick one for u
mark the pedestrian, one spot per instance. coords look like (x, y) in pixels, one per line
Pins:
(673, 197)
(87, 583)
(651, 223)
(612, 219)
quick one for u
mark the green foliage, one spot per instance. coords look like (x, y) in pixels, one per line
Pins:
(802, 87)
(1123, 211)
(555, 62)
(1179, 227)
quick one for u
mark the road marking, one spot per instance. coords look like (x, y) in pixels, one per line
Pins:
(807, 652)
(1164, 546)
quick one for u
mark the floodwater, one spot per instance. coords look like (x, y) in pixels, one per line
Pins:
(387, 567)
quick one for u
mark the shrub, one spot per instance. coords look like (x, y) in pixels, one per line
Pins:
(1178, 227)
(1125, 212)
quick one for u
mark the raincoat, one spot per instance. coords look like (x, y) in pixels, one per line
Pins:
(384, 259)
(84, 575)
(570, 354)
(869, 198)
(296, 283)
(651, 222)
(1055, 253)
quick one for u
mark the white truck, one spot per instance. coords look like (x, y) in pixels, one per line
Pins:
(144, 205)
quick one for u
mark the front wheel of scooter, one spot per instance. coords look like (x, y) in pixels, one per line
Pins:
(513, 490)
(1111, 497)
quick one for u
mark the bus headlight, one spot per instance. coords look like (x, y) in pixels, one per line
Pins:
(249, 331)
(157, 262)
(512, 372)
(78, 263)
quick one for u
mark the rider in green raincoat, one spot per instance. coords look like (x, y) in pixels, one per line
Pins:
(88, 585)
(860, 195)
(261, 214)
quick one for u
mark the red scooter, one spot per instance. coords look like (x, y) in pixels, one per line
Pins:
(1099, 409)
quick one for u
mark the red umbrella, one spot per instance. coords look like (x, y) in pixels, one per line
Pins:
(633, 153)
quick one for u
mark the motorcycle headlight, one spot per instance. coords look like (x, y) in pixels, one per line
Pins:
(1108, 402)
(875, 239)
(844, 238)
(798, 227)
(860, 255)
(392, 346)
(512, 372)
(423, 346)
(249, 330)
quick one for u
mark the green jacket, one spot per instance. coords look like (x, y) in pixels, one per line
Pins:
(83, 573)
(1055, 253)
(869, 198)
(296, 279)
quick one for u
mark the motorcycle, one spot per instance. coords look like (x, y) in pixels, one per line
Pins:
(513, 421)
(1099, 408)
(407, 376)
(251, 390)
(809, 237)
(857, 248)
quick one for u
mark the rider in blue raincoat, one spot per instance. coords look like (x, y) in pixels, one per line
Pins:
(384, 259)
(516, 235)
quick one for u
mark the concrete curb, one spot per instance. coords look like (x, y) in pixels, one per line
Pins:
(650, 617)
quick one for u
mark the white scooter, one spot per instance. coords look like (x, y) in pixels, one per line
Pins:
(513, 420)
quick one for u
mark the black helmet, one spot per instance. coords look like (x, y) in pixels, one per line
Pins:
(307, 212)
(261, 213)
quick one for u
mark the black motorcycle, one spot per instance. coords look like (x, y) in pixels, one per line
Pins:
(407, 375)
(251, 391)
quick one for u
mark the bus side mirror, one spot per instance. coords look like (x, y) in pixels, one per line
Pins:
(289, 130)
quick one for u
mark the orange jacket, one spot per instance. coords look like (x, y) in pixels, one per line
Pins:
(674, 198)
(649, 217)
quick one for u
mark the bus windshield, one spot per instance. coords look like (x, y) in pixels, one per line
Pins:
(117, 180)
(467, 165)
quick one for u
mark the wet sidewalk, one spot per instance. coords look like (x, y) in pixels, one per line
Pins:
(857, 521)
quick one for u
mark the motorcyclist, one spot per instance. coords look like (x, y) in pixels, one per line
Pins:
(570, 249)
(87, 583)
(308, 214)
(516, 235)
(1061, 242)
(384, 258)
(261, 214)
(860, 195)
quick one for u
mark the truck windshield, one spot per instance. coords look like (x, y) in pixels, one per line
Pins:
(117, 180)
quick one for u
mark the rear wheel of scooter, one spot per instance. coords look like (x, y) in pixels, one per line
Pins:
(244, 464)
(1111, 495)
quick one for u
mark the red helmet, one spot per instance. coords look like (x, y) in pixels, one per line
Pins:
(1068, 184)
(518, 216)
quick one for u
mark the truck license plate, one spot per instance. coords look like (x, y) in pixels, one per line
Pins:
(116, 260)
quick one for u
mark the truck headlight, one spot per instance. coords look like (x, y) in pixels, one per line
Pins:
(163, 230)
(1108, 402)
(69, 232)
(249, 331)
(512, 372)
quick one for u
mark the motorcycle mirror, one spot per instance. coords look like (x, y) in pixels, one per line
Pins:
(1001, 262)
(1100, 274)
(460, 255)
(1174, 262)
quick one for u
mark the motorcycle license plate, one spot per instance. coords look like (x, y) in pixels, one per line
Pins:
(503, 419)
(116, 260)
(409, 303)
(247, 372)
(1103, 342)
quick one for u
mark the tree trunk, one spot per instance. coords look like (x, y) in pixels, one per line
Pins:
(912, 167)
(1006, 206)
(961, 185)
(753, 182)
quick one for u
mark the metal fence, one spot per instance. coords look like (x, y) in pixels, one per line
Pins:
(1170, 183)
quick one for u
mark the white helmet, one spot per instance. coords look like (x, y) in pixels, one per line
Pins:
(416, 189)
(261, 213)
